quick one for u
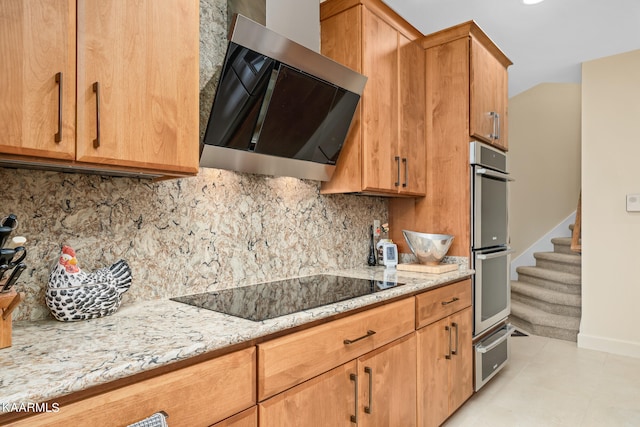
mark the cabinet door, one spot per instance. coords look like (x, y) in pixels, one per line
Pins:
(433, 373)
(326, 400)
(412, 142)
(138, 84)
(488, 94)
(387, 382)
(461, 366)
(380, 105)
(37, 106)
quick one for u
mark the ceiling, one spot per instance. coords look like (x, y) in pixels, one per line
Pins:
(546, 42)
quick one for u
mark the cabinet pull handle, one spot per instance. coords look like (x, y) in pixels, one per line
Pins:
(406, 171)
(455, 325)
(368, 334)
(448, 355)
(496, 125)
(58, 136)
(454, 299)
(397, 183)
(354, 378)
(96, 90)
(369, 408)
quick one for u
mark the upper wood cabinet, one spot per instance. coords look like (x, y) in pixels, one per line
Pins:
(488, 96)
(466, 81)
(136, 106)
(37, 78)
(483, 91)
(385, 149)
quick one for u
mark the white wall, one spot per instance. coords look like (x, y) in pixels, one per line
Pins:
(298, 20)
(610, 235)
(544, 160)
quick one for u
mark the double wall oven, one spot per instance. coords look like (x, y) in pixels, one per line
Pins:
(490, 259)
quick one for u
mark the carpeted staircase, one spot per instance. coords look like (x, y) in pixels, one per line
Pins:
(546, 299)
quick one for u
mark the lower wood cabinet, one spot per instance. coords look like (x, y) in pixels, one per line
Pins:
(445, 367)
(198, 395)
(377, 389)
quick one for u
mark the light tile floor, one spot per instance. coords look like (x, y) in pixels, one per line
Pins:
(550, 382)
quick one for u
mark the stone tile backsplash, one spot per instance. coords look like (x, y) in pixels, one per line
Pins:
(217, 230)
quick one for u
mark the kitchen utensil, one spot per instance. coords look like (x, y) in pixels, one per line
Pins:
(15, 274)
(8, 256)
(372, 250)
(10, 221)
(428, 248)
(4, 235)
(3, 268)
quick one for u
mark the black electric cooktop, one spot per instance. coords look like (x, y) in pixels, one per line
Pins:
(273, 299)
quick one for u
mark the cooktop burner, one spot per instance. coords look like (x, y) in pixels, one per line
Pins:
(273, 299)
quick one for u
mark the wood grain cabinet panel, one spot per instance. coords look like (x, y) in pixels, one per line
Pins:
(441, 302)
(37, 78)
(135, 109)
(326, 400)
(466, 99)
(387, 385)
(445, 367)
(287, 361)
(199, 395)
(384, 381)
(144, 57)
(384, 151)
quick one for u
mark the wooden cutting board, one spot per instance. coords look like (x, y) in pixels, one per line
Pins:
(424, 268)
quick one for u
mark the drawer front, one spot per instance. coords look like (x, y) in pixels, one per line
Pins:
(437, 304)
(292, 359)
(198, 395)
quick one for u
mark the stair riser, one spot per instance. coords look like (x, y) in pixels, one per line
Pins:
(559, 266)
(563, 249)
(563, 310)
(545, 331)
(548, 284)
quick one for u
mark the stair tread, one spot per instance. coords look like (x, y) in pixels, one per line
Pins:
(544, 294)
(536, 316)
(559, 257)
(564, 241)
(553, 275)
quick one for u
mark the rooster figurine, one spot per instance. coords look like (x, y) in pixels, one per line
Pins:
(74, 295)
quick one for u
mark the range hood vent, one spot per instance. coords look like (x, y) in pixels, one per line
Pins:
(280, 108)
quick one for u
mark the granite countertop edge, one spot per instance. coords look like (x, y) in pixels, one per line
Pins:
(49, 359)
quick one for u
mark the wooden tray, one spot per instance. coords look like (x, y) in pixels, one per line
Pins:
(424, 268)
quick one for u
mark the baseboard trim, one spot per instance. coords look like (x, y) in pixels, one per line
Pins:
(542, 245)
(609, 345)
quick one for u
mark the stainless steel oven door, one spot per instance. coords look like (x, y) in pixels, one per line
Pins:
(490, 225)
(491, 355)
(491, 288)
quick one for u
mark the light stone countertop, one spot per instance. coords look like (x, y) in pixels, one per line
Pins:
(49, 359)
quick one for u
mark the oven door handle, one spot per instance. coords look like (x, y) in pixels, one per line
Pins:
(503, 335)
(494, 174)
(494, 254)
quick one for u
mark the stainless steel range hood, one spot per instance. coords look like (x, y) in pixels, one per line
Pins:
(280, 108)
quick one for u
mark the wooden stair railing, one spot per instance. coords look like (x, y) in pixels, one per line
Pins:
(576, 242)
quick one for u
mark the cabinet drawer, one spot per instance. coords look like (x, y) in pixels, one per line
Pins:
(434, 305)
(198, 395)
(292, 359)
